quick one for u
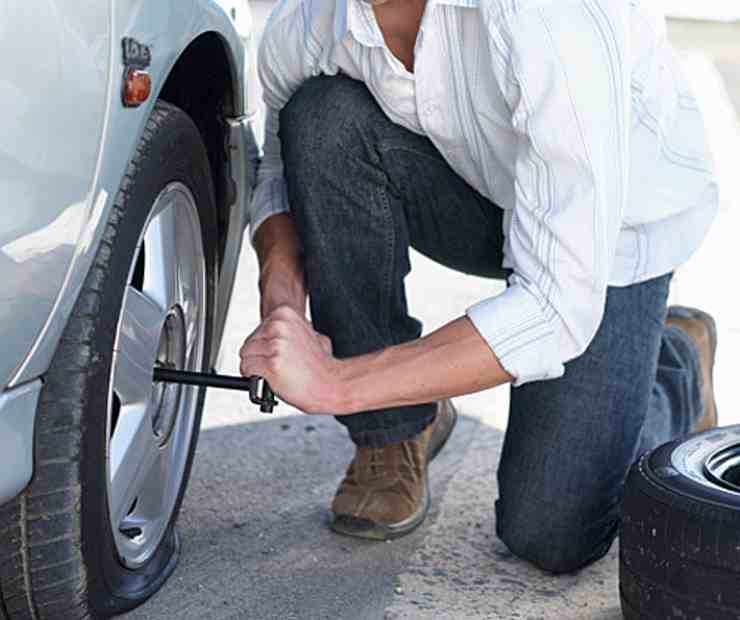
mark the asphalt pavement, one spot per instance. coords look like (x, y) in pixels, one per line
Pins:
(255, 541)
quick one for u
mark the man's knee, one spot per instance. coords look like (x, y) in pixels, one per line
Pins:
(556, 543)
(325, 114)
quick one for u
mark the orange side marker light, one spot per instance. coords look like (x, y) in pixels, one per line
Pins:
(137, 86)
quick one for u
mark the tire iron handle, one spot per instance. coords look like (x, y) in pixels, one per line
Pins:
(266, 400)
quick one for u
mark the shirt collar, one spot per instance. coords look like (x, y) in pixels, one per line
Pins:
(356, 17)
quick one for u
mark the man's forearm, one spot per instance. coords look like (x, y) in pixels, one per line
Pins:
(281, 279)
(452, 361)
(277, 237)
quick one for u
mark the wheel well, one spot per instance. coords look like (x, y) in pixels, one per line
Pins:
(202, 84)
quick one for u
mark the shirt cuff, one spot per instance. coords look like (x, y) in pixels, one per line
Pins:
(517, 329)
(270, 198)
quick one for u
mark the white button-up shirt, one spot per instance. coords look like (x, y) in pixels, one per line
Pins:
(573, 116)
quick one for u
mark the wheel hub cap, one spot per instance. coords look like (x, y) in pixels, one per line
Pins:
(171, 354)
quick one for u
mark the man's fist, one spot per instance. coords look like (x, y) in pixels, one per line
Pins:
(296, 361)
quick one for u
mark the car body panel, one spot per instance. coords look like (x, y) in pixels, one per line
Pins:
(38, 305)
(16, 435)
(56, 96)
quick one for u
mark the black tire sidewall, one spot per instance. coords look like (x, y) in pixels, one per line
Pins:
(679, 484)
(174, 152)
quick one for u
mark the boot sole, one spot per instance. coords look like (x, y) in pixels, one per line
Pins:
(355, 527)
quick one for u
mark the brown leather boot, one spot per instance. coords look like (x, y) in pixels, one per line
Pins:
(385, 493)
(702, 329)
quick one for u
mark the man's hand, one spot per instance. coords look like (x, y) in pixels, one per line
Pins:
(282, 280)
(295, 360)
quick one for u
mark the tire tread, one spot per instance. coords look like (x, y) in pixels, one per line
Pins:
(678, 555)
(55, 493)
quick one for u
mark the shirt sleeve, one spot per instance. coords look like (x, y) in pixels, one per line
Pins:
(284, 64)
(563, 69)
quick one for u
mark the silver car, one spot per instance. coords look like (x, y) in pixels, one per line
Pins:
(127, 158)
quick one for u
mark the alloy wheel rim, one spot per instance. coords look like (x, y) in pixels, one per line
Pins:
(151, 426)
(723, 468)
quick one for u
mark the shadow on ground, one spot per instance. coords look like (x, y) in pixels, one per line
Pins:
(256, 545)
(462, 571)
(253, 524)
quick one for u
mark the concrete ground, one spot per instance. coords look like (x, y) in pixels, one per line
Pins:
(255, 542)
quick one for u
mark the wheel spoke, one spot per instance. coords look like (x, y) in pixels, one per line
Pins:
(155, 489)
(136, 350)
(134, 453)
(160, 266)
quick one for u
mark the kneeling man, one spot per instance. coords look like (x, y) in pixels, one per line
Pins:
(551, 143)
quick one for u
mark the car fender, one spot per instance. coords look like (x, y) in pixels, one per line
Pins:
(167, 27)
(54, 91)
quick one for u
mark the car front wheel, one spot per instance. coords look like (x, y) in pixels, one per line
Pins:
(94, 533)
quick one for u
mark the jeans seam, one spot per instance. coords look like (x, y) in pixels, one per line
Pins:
(391, 257)
(413, 151)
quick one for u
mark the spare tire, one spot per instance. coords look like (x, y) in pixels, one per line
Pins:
(680, 536)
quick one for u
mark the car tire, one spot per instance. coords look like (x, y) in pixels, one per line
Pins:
(680, 533)
(60, 557)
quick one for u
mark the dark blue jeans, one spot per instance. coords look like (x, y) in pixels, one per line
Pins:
(363, 190)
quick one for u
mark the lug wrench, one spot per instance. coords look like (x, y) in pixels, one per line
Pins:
(266, 400)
